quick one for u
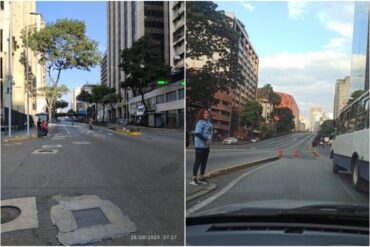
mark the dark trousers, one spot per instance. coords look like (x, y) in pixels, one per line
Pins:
(201, 158)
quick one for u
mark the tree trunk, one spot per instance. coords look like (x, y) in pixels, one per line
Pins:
(103, 112)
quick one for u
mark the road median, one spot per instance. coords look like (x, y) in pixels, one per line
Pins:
(233, 168)
(19, 138)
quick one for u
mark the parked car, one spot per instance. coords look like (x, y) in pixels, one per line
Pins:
(256, 139)
(230, 140)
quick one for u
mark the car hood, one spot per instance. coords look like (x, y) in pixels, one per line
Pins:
(271, 205)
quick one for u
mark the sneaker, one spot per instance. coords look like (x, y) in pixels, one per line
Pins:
(202, 181)
(194, 182)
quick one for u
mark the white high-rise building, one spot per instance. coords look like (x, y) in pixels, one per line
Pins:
(341, 97)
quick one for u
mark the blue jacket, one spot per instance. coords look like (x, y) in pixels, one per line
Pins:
(203, 132)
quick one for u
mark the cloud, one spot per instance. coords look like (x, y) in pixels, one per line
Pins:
(102, 48)
(308, 76)
(337, 43)
(343, 28)
(296, 10)
(247, 6)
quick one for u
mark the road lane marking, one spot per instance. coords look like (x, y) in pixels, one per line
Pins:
(81, 143)
(224, 190)
(109, 134)
(67, 130)
(52, 146)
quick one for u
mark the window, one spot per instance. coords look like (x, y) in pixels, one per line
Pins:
(181, 93)
(160, 99)
(362, 110)
(172, 96)
(351, 118)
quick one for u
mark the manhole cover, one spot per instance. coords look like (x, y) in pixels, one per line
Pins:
(90, 217)
(9, 213)
(45, 151)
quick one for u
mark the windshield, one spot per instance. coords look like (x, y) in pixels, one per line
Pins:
(289, 81)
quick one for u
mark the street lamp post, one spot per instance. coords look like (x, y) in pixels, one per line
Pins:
(27, 77)
(9, 76)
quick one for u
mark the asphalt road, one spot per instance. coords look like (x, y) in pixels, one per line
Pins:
(142, 175)
(305, 177)
(227, 155)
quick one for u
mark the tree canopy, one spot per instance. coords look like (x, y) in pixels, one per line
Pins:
(63, 45)
(144, 65)
(327, 129)
(285, 120)
(251, 115)
(212, 42)
(355, 95)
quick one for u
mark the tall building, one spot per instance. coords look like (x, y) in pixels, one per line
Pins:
(177, 37)
(360, 48)
(79, 106)
(16, 16)
(302, 123)
(288, 101)
(341, 95)
(103, 70)
(245, 90)
(127, 23)
(315, 116)
(267, 107)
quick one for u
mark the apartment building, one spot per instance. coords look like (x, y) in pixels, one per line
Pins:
(341, 96)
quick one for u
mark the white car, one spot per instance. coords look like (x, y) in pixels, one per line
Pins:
(230, 140)
(255, 139)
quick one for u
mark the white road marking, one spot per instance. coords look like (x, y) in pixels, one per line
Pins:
(67, 130)
(109, 134)
(81, 142)
(52, 146)
(224, 190)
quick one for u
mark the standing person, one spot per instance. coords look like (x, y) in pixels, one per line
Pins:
(203, 137)
(38, 127)
(90, 124)
(44, 128)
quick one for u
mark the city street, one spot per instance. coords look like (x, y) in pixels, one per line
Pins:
(304, 177)
(141, 175)
(225, 155)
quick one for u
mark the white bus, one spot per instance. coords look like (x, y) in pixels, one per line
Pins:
(350, 147)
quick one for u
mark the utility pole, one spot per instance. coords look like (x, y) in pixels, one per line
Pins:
(10, 80)
(27, 81)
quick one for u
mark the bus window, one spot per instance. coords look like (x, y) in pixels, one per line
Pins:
(351, 118)
(362, 114)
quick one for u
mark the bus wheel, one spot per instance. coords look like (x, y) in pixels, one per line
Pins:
(357, 182)
(335, 167)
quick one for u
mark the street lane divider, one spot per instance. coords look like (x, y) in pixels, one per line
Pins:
(233, 168)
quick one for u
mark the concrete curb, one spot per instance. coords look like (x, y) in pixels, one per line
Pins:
(229, 169)
(223, 171)
(196, 194)
(19, 138)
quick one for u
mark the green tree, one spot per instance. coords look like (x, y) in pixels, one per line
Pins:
(251, 114)
(327, 129)
(98, 94)
(210, 37)
(285, 120)
(86, 97)
(144, 64)
(111, 99)
(50, 93)
(355, 95)
(61, 46)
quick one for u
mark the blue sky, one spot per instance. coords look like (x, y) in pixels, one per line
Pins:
(94, 16)
(304, 47)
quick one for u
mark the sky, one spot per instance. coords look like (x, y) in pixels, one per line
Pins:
(303, 47)
(94, 16)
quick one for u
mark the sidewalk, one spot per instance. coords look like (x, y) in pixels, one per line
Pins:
(19, 135)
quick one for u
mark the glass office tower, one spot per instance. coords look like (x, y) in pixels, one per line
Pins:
(360, 48)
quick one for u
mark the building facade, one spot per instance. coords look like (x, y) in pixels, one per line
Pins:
(165, 107)
(267, 107)
(288, 101)
(341, 95)
(16, 16)
(79, 106)
(315, 116)
(127, 23)
(360, 48)
(103, 70)
(245, 90)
